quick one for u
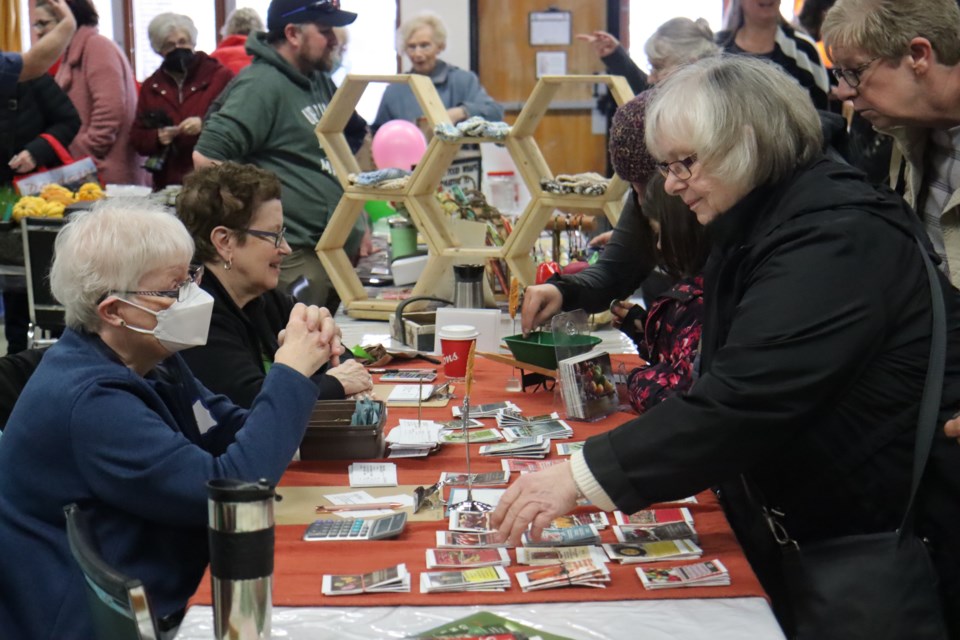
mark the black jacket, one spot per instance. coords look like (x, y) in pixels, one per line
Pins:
(815, 344)
(39, 106)
(241, 345)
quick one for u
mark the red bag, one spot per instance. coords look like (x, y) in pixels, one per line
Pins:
(72, 174)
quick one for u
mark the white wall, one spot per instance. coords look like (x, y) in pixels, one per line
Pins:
(456, 14)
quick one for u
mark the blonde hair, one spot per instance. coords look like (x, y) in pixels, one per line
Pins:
(110, 248)
(885, 27)
(679, 41)
(748, 122)
(243, 21)
(424, 19)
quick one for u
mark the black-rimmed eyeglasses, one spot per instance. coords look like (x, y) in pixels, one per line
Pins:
(276, 237)
(679, 168)
(852, 76)
(327, 6)
(194, 275)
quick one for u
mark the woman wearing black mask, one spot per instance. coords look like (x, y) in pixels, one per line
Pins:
(174, 99)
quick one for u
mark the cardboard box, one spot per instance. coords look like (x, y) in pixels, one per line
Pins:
(330, 436)
(415, 329)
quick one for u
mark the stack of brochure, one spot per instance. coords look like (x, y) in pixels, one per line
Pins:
(711, 573)
(553, 429)
(597, 518)
(486, 410)
(391, 579)
(581, 534)
(635, 533)
(653, 551)
(528, 466)
(515, 417)
(457, 558)
(580, 572)
(480, 579)
(537, 447)
(470, 521)
(569, 448)
(539, 556)
(466, 540)
(486, 478)
(587, 383)
(412, 438)
(457, 436)
(655, 516)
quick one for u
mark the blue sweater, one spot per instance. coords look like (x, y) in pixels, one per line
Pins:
(87, 429)
(457, 88)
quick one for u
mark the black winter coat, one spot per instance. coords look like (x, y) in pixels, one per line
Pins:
(39, 106)
(815, 346)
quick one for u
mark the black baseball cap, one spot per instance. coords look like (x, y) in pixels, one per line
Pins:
(327, 12)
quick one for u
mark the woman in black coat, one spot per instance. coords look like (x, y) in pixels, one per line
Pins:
(38, 107)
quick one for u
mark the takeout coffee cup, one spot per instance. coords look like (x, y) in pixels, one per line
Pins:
(455, 342)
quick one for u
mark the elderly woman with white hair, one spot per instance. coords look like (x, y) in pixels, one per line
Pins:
(231, 52)
(423, 38)
(816, 339)
(677, 41)
(114, 421)
(174, 99)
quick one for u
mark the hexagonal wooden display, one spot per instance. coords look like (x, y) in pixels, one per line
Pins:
(444, 249)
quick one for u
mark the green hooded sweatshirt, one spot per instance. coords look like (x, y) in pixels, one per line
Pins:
(268, 119)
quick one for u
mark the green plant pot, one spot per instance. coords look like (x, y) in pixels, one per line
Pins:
(538, 348)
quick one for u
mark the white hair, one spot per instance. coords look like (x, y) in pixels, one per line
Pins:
(110, 248)
(748, 121)
(679, 41)
(424, 19)
(163, 23)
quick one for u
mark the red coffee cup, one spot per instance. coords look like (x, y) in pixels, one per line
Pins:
(455, 342)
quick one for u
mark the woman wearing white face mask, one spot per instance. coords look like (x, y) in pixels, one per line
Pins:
(116, 422)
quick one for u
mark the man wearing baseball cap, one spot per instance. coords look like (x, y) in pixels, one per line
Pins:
(268, 117)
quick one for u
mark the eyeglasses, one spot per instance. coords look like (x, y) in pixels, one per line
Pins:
(327, 6)
(194, 275)
(276, 237)
(679, 168)
(852, 76)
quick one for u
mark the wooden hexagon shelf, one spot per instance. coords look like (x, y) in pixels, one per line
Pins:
(444, 248)
(533, 167)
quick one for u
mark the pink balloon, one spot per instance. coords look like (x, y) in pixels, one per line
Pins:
(398, 144)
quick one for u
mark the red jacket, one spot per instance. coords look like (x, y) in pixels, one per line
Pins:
(204, 81)
(232, 53)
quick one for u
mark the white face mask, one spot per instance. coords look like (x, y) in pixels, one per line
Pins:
(183, 324)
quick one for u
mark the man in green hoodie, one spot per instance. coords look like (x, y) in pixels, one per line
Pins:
(268, 119)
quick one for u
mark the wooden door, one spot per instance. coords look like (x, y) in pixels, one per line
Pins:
(507, 66)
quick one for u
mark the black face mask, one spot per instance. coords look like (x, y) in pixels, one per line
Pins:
(177, 61)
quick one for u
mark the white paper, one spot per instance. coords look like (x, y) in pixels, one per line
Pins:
(551, 63)
(362, 497)
(409, 392)
(414, 432)
(550, 27)
(373, 474)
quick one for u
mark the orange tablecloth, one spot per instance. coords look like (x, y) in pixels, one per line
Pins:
(299, 566)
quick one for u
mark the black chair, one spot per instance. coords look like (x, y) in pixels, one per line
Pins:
(46, 314)
(118, 604)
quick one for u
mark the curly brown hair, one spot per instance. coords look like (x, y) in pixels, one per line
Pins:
(226, 195)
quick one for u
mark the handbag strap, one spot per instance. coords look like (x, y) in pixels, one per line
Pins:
(59, 149)
(932, 388)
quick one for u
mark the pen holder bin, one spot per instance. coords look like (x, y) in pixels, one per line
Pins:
(330, 436)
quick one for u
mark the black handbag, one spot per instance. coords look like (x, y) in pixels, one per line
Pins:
(879, 585)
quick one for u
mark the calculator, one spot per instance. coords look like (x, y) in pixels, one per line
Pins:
(409, 375)
(356, 528)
